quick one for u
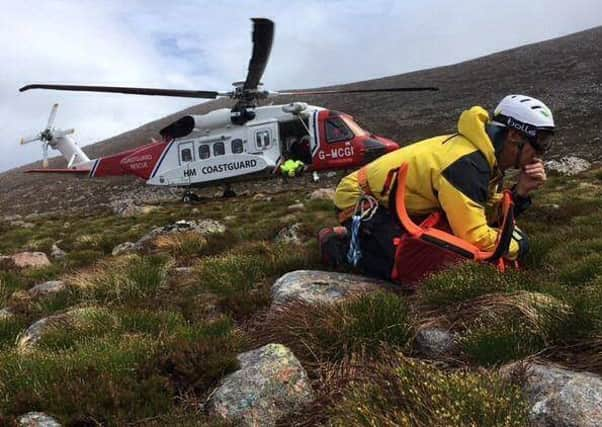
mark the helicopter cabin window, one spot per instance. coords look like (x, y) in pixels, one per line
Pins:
(337, 130)
(204, 152)
(219, 149)
(186, 152)
(237, 146)
(262, 139)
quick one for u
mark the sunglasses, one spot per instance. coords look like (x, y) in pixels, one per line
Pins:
(543, 142)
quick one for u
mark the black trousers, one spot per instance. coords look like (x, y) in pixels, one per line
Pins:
(376, 243)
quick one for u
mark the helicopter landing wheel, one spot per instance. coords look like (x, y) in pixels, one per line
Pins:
(190, 197)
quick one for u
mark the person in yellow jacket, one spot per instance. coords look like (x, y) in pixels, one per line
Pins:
(291, 167)
(459, 174)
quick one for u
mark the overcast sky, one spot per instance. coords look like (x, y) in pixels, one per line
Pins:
(206, 45)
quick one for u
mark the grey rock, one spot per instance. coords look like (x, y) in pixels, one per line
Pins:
(568, 165)
(203, 227)
(47, 288)
(37, 419)
(296, 207)
(6, 314)
(560, 397)
(323, 286)
(125, 248)
(56, 252)
(270, 384)
(289, 234)
(36, 330)
(30, 259)
(21, 224)
(323, 194)
(125, 208)
(9, 218)
(433, 343)
(33, 216)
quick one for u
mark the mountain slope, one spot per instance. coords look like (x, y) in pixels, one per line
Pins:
(565, 72)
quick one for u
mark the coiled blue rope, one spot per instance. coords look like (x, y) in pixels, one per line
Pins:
(364, 210)
(354, 254)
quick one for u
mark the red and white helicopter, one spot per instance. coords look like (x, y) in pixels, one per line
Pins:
(226, 145)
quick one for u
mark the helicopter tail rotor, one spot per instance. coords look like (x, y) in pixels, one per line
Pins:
(29, 139)
(52, 116)
(45, 154)
(58, 140)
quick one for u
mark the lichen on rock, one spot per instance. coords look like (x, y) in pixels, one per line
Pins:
(312, 286)
(270, 384)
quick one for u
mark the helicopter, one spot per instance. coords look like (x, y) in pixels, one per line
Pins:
(244, 142)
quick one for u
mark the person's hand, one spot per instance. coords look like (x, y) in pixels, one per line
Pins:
(532, 176)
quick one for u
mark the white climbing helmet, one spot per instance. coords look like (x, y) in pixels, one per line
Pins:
(529, 116)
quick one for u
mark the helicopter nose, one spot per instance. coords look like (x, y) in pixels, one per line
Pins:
(376, 146)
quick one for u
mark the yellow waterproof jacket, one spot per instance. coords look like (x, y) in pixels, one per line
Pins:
(291, 167)
(454, 173)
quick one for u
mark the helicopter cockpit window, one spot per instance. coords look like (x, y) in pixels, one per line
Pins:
(186, 155)
(237, 146)
(219, 149)
(262, 139)
(204, 152)
(337, 130)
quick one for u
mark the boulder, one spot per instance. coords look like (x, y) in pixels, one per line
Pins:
(203, 227)
(270, 384)
(6, 314)
(56, 252)
(30, 259)
(433, 342)
(322, 194)
(37, 419)
(296, 207)
(47, 288)
(323, 286)
(36, 330)
(559, 397)
(568, 165)
(289, 234)
(125, 248)
(125, 208)
(21, 224)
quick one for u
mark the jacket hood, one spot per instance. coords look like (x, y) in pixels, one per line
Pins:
(472, 126)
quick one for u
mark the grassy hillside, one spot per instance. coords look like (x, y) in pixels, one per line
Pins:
(564, 72)
(151, 339)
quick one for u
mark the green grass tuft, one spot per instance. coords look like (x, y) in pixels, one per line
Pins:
(330, 332)
(469, 281)
(410, 393)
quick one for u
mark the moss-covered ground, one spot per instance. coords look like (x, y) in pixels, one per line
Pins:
(152, 339)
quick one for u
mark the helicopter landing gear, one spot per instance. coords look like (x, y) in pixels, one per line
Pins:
(228, 192)
(190, 197)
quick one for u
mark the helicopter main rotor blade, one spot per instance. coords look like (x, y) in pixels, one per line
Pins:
(335, 91)
(128, 90)
(263, 35)
(52, 116)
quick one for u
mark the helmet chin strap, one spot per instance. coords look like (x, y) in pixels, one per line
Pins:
(521, 145)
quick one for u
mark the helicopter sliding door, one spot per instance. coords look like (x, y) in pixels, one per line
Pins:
(263, 140)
